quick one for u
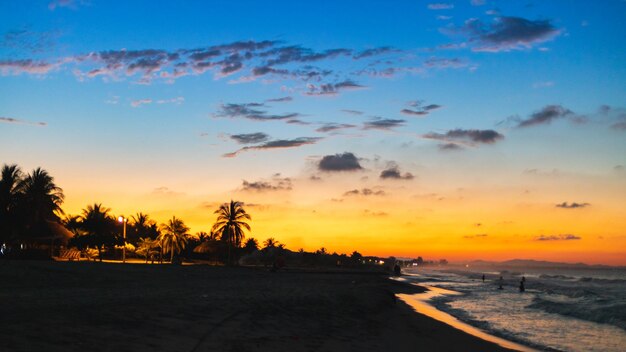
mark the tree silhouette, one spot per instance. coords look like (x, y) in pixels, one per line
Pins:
(142, 227)
(100, 228)
(173, 237)
(148, 248)
(41, 201)
(270, 243)
(230, 223)
(10, 192)
(251, 245)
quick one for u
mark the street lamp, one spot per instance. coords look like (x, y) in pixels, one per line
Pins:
(123, 220)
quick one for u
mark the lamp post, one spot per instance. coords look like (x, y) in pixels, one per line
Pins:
(123, 220)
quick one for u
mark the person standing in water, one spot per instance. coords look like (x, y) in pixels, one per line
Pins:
(483, 277)
(521, 285)
(500, 281)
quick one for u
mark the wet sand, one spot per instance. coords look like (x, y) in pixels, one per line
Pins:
(70, 306)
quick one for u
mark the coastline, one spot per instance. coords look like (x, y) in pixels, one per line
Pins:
(69, 306)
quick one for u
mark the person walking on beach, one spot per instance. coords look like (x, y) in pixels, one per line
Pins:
(396, 270)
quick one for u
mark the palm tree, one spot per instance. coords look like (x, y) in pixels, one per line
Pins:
(230, 223)
(270, 243)
(173, 236)
(41, 201)
(99, 226)
(148, 248)
(10, 192)
(142, 226)
(251, 245)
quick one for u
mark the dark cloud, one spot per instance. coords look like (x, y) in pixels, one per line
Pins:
(277, 183)
(393, 173)
(339, 162)
(471, 136)
(562, 237)
(251, 111)
(419, 109)
(21, 122)
(572, 205)
(330, 127)
(332, 88)
(507, 33)
(544, 116)
(364, 192)
(621, 126)
(276, 144)
(280, 100)
(449, 147)
(250, 138)
(382, 124)
(296, 53)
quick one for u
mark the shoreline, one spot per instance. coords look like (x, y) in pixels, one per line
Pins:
(420, 303)
(77, 306)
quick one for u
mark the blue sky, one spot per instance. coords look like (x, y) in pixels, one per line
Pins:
(499, 90)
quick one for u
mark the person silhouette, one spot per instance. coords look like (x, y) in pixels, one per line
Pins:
(500, 281)
(483, 277)
(521, 285)
(396, 270)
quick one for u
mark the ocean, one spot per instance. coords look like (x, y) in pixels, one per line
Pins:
(562, 309)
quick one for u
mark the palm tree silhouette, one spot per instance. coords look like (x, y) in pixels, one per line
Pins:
(41, 199)
(10, 192)
(173, 237)
(99, 226)
(230, 223)
(142, 226)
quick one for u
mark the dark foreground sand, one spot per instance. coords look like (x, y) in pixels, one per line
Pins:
(69, 306)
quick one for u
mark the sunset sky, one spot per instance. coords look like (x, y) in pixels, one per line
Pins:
(472, 129)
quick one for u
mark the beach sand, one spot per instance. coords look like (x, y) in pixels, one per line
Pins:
(86, 306)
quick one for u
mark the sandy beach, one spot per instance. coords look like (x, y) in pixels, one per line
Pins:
(70, 306)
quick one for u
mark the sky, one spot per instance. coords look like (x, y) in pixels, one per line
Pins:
(463, 130)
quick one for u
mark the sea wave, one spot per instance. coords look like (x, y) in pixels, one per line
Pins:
(613, 314)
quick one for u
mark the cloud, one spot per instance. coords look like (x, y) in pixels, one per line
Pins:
(17, 67)
(251, 111)
(177, 101)
(393, 173)
(276, 144)
(364, 192)
(449, 147)
(544, 116)
(279, 100)
(508, 33)
(70, 4)
(419, 109)
(373, 52)
(562, 237)
(21, 122)
(332, 88)
(28, 40)
(277, 183)
(382, 124)
(440, 6)
(339, 162)
(470, 137)
(352, 112)
(250, 138)
(140, 102)
(572, 205)
(330, 127)
(480, 235)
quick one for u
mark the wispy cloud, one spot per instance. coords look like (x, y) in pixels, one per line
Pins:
(250, 138)
(466, 137)
(139, 102)
(251, 111)
(440, 6)
(276, 183)
(379, 123)
(417, 108)
(332, 88)
(332, 127)
(364, 192)
(544, 116)
(16, 67)
(21, 122)
(276, 144)
(561, 237)
(572, 205)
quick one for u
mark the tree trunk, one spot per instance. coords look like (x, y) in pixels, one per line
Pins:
(172, 255)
